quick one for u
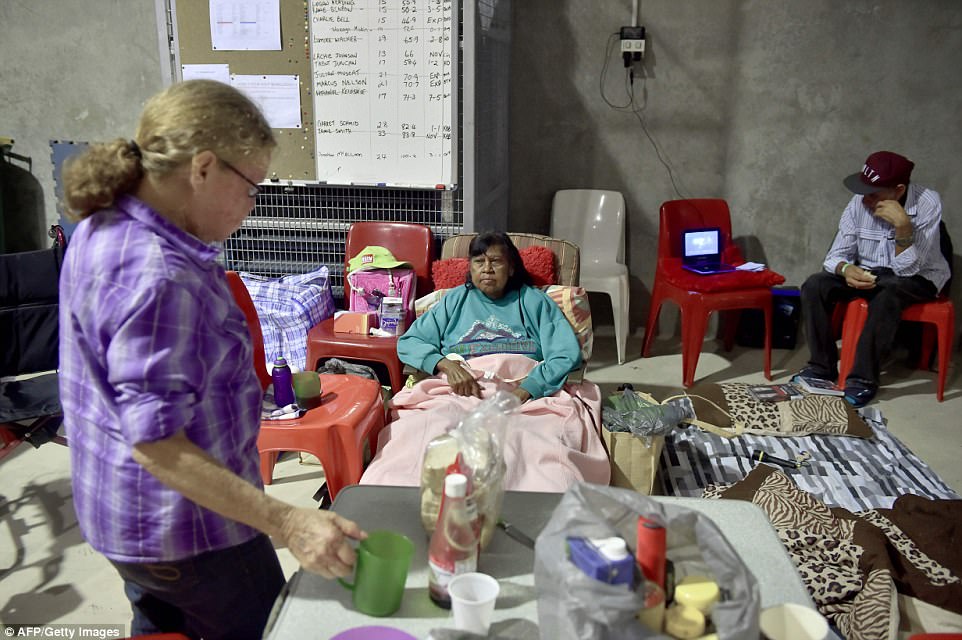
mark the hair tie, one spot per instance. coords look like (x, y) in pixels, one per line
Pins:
(135, 149)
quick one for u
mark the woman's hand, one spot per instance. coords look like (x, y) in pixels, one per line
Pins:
(320, 541)
(460, 380)
(522, 394)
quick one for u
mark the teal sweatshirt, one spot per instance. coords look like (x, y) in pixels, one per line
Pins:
(467, 322)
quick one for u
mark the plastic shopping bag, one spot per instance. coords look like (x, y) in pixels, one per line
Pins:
(574, 605)
(474, 449)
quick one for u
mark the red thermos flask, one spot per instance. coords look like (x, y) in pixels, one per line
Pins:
(650, 550)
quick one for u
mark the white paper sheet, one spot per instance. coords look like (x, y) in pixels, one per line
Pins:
(218, 72)
(277, 96)
(245, 25)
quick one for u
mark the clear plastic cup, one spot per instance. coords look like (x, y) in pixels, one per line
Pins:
(473, 596)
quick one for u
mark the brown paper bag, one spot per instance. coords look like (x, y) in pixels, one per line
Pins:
(634, 464)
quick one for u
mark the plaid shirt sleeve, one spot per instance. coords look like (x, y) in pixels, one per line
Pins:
(156, 363)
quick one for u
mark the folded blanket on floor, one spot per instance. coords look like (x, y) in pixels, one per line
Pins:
(855, 564)
(550, 443)
(731, 406)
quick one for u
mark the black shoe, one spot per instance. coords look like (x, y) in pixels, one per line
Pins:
(817, 373)
(859, 393)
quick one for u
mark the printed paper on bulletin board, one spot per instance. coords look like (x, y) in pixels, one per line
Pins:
(293, 158)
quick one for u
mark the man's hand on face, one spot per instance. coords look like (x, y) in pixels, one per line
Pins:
(893, 213)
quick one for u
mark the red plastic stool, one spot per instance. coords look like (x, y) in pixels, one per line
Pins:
(939, 312)
(351, 413)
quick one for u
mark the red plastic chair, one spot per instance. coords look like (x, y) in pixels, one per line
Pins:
(413, 243)
(939, 312)
(696, 306)
(351, 413)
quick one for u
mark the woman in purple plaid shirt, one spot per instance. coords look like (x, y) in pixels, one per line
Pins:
(160, 399)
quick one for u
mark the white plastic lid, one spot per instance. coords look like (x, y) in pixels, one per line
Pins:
(456, 485)
(391, 300)
(611, 548)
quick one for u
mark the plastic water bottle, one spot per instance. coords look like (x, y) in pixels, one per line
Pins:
(392, 316)
(283, 383)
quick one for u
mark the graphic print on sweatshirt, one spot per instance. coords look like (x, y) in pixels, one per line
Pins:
(493, 336)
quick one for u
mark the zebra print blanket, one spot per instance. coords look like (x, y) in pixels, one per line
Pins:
(856, 565)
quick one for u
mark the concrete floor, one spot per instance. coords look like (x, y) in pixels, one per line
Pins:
(48, 574)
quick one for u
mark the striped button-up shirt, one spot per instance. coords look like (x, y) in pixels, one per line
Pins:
(868, 241)
(151, 344)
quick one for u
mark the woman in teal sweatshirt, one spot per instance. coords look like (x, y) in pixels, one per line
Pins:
(496, 311)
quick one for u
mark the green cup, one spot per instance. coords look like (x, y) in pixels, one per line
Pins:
(381, 570)
(307, 389)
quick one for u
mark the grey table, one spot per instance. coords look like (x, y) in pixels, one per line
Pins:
(312, 607)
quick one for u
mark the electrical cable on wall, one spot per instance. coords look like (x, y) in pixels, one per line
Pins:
(636, 109)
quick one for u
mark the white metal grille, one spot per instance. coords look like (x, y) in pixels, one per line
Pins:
(295, 229)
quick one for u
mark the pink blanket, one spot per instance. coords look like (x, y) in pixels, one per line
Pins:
(550, 443)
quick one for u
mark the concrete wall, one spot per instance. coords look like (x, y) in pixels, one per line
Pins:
(74, 71)
(767, 104)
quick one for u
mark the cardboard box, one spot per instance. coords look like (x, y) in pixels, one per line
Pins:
(634, 464)
(355, 322)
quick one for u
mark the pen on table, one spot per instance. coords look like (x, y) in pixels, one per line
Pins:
(761, 456)
(513, 532)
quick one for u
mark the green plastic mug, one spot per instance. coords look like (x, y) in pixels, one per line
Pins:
(307, 389)
(381, 570)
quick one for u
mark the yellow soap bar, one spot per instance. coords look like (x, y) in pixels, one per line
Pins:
(700, 592)
(684, 623)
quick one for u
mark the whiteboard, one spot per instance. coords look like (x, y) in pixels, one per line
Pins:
(384, 92)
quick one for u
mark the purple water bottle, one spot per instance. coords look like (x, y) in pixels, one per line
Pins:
(283, 383)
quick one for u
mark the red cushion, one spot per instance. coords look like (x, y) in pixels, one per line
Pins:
(450, 272)
(671, 270)
(539, 261)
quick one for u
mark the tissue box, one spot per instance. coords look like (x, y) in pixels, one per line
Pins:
(356, 322)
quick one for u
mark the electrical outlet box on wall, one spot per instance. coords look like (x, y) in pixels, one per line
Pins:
(633, 41)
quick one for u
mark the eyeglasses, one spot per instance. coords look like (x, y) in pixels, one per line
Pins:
(496, 262)
(253, 190)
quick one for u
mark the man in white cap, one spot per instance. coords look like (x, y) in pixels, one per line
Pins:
(887, 250)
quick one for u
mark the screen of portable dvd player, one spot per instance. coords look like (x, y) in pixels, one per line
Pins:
(701, 243)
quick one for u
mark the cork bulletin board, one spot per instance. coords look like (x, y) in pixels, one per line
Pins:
(376, 85)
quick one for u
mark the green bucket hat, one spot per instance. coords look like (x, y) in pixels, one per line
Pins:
(374, 257)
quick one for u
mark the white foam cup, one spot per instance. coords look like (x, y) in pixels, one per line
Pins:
(472, 601)
(792, 622)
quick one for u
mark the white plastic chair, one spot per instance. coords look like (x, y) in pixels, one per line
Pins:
(595, 221)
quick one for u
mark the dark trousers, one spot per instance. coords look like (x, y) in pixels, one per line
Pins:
(219, 594)
(886, 301)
